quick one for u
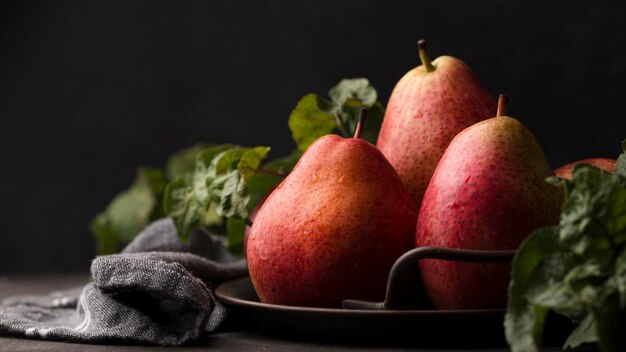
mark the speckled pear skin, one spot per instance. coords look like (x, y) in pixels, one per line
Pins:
(488, 192)
(605, 164)
(425, 111)
(332, 229)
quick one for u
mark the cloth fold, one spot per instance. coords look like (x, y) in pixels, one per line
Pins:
(157, 291)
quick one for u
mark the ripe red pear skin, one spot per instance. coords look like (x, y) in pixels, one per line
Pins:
(488, 192)
(605, 164)
(332, 229)
(425, 111)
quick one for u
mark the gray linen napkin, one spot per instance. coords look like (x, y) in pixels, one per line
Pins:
(157, 291)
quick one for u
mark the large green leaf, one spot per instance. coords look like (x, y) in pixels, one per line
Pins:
(524, 321)
(356, 92)
(186, 198)
(577, 269)
(130, 211)
(310, 120)
(315, 116)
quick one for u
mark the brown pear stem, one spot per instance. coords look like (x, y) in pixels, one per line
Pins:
(421, 44)
(359, 125)
(624, 145)
(503, 102)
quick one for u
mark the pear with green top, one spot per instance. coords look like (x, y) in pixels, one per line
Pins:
(427, 108)
(333, 228)
(489, 192)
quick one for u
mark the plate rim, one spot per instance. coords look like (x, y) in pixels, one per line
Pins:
(247, 304)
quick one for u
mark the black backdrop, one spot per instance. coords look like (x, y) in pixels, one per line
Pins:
(89, 90)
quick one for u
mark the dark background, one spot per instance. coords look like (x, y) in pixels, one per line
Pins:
(89, 90)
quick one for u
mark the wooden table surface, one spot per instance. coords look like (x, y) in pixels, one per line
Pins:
(223, 341)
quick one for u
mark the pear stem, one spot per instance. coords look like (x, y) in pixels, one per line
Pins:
(421, 44)
(359, 125)
(503, 102)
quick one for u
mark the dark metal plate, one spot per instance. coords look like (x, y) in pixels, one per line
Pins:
(399, 327)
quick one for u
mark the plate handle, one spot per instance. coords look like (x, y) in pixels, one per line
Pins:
(405, 270)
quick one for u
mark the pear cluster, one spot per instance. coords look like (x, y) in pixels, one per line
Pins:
(449, 170)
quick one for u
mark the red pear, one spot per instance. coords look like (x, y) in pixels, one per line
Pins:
(333, 228)
(605, 164)
(488, 192)
(427, 108)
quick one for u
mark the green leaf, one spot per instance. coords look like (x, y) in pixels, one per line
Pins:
(186, 198)
(350, 117)
(594, 215)
(230, 195)
(349, 96)
(226, 160)
(310, 120)
(620, 278)
(524, 321)
(271, 174)
(585, 332)
(107, 241)
(585, 279)
(610, 324)
(235, 229)
(129, 212)
(251, 160)
(315, 117)
(183, 161)
(546, 287)
(356, 92)
(620, 165)
(285, 164)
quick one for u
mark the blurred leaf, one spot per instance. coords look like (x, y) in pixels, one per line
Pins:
(310, 120)
(585, 332)
(228, 192)
(355, 92)
(235, 229)
(130, 211)
(584, 278)
(251, 160)
(186, 198)
(620, 165)
(315, 117)
(226, 160)
(273, 173)
(524, 321)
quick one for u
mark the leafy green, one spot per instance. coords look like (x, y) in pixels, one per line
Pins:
(314, 116)
(269, 176)
(355, 92)
(217, 184)
(251, 160)
(348, 97)
(620, 165)
(235, 230)
(524, 322)
(186, 198)
(585, 332)
(577, 269)
(311, 119)
(130, 211)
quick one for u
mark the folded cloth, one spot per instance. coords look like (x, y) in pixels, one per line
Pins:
(157, 291)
